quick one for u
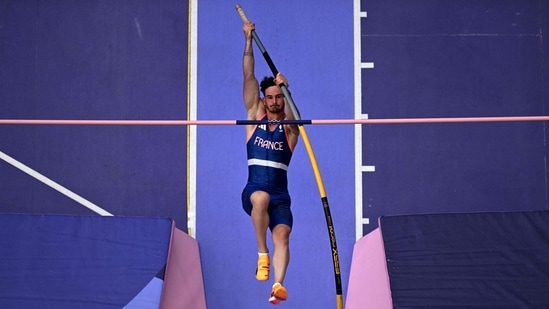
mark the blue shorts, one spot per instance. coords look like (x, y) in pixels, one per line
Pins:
(279, 207)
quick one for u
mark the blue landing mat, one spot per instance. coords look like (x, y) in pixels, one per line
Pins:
(53, 261)
(489, 260)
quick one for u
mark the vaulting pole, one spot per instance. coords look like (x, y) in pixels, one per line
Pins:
(322, 191)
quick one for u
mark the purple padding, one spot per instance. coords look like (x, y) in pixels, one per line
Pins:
(183, 284)
(57, 261)
(468, 260)
(368, 280)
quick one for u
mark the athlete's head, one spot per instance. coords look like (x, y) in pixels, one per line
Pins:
(273, 99)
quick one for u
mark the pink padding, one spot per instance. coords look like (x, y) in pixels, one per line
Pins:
(369, 281)
(183, 285)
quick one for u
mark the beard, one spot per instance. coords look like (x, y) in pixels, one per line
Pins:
(275, 109)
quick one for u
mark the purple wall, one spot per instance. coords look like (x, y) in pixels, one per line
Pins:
(454, 59)
(94, 60)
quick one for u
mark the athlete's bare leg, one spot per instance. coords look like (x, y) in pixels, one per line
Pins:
(260, 218)
(281, 255)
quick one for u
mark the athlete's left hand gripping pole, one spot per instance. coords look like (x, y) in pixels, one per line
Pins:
(324, 198)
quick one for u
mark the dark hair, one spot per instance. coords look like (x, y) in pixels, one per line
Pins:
(268, 81)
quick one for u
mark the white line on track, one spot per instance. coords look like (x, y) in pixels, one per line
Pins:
(45, 180)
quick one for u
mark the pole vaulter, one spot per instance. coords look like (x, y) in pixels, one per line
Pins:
(287, 95)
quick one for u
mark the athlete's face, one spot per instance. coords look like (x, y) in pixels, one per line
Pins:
(274, 100)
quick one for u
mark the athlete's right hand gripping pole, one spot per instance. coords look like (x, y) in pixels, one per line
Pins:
(322, 191)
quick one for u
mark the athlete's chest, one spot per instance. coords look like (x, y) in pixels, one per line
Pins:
(269, 137)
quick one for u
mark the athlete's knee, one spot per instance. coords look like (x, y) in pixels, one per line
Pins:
(260, 200)
(281, 234)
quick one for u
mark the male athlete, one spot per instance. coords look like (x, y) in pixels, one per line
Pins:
(265, 197)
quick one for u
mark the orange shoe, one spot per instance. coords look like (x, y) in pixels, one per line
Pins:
(263, 268)
(278, 294)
